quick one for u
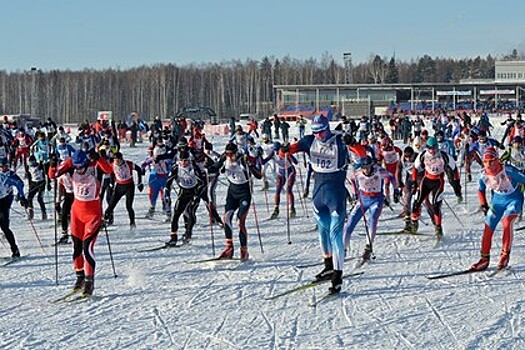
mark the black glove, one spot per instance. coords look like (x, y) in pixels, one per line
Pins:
(24, 202)
(285, 147)
(140, 187)
(484, 208)
(397, 195)
(414, 187)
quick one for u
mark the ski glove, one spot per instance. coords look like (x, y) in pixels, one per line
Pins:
(484, 208)
(24, 202)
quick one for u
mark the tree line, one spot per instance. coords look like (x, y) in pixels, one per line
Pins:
(230, 88)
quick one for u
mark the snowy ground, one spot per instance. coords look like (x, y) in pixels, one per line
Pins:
(160, 301)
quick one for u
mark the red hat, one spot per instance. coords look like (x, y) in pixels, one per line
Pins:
(490, 154)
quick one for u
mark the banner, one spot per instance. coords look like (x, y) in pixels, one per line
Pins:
(497, 92)
(105, 115)
(454, 93)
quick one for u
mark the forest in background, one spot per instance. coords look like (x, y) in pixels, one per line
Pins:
(229, 88)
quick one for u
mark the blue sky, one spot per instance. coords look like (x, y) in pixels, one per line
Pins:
(74, 34)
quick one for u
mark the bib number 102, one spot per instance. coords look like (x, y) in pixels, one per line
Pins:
(324, 163)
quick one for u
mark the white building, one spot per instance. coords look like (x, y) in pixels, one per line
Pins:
(510, 72)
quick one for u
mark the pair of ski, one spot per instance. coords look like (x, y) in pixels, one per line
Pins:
(466, 272)
(73, 296)
(160, 247)
(313, 284)
(6, 261)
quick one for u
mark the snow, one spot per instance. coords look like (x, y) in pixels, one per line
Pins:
(160, 300)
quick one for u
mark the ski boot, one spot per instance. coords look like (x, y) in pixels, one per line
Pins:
(293, 213)
(327, 272)
(227, 253)
(504, 258)
(305, 194)
(186, 238)
(414, 225)
(150, 213)
(168, 218)
(275, 213)
(265, 186)
(30, 214)
(482, 264)
(44, 215)
(81, 279)
(15, 253)
(459, 199)
(367, 253)
(337, 282)
(89, 285)
(469, 178)
(408, 224)
(173, 240)
(64, 239)
(439, 232)
(132, 227)
(244, 254)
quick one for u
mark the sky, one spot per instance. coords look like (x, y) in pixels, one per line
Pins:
(96, 34)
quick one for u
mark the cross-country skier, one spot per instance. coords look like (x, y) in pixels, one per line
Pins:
(285, 176)
(431, 166)
(507, 200)
(37, 184)
(191, 181)
(515, 154)
(328, 156)
(124, 186)
(8, 180)
(405, 180)
(86, 212)
(238, 168)
(159, 165)
(368, 183)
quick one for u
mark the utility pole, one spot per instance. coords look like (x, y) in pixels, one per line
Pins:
(34, 71)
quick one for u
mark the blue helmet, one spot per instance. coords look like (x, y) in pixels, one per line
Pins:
(276, 146)
(320, 123)
(80, 159)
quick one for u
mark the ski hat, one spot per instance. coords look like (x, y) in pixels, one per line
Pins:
(231, 147)
(432, 142)
(276, 146)
(490, 154)
(367, 162)
(517, 139)
(80, 159)
(184, 155)
(320, 123)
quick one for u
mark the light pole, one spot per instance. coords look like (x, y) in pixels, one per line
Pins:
(34, 70)
(347, 59)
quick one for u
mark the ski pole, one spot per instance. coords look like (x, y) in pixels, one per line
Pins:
(250, 184)
(453, 212)
(287, 183)
(109, 248)
(36, 233)
(56, 232)
(209, 211)
(265, 181)
(303, 201)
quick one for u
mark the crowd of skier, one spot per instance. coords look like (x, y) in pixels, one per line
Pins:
(356, 168)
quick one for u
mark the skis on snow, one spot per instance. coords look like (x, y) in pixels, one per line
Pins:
(309, 285)
(160, 247)
(320, 263)
(465, 272)
(9, 260)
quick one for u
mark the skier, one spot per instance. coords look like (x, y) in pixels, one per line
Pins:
(390, 156)
(328, 156)
(124, 186)
(159, 164)
(238, 168)
(188, 176)
(21, 145)
(86, 212)
(36, 175)
(9, 179)
(285, 175)
(267, 149)
(431, 165)
(404, 177)
(515, 155)
(368, 183)
(507, 200)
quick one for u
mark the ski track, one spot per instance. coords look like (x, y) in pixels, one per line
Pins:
(158, 301)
